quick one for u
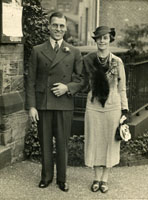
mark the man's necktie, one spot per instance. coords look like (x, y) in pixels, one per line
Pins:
(56, 47)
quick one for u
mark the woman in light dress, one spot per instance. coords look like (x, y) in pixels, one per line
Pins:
(106, 102)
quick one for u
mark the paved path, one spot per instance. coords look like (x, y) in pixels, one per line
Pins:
(20, 181)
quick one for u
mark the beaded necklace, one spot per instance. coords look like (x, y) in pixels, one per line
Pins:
(103, 62)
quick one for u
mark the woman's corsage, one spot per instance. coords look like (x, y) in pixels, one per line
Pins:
(66, 49)
(114, 65)
(113, 71)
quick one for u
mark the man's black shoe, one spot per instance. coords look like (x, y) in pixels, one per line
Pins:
(44, 184)
(63, 186)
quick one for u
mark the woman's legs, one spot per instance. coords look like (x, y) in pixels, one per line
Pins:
(96, 183)
(105, 174)
(101, 173)
(98, 173)
(101, 179)
(104, 180)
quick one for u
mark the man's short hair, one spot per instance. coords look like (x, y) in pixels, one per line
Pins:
(56, 14)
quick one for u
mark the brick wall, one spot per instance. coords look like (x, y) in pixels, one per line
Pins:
(13, 118)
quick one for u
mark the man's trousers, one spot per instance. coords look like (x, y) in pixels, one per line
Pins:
(58, 124)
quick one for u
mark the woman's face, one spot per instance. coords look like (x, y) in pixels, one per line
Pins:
(103, 41)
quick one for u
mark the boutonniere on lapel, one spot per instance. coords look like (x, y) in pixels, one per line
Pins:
(113, 71)
(66, 49)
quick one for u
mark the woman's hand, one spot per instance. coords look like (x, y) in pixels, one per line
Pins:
(126, 113)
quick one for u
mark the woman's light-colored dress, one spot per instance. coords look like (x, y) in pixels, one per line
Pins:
(101, 148)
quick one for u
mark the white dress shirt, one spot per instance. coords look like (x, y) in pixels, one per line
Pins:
(52, 41)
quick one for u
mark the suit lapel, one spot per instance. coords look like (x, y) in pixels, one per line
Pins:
(48, 51)
(60, 55)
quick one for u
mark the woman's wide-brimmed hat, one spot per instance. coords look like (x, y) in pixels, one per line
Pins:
(102, 30)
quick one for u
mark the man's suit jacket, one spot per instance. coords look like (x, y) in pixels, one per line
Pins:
(46, 68)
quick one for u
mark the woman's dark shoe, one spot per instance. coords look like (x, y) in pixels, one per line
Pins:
(63, 186)
(95, 186)
(44, 184)
(103, 187)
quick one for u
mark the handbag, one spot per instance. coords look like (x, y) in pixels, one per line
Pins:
(123, 132)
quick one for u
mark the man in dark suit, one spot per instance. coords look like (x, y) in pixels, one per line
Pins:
(54, 76)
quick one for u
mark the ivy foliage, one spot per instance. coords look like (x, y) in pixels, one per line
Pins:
(35, 27)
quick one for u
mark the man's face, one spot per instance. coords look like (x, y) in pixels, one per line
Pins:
(57, 28)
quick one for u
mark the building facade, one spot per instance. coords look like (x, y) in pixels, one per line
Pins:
(65, 6)
(68, 6)
(123, 13)
(88, 19)
(49, 4)
(113, 13)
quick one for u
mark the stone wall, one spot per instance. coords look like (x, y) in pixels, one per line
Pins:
(13, 131)
(11, 68)
(13, 117)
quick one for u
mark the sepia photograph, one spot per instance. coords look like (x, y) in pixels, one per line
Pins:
(73, 99)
